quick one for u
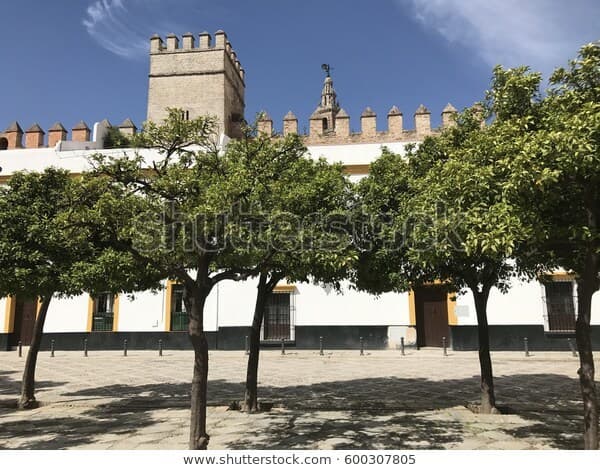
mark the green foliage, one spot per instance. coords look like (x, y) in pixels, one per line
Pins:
(557, 171)
(51, 241)
(114, 138)
(186, 204)
(446, 207)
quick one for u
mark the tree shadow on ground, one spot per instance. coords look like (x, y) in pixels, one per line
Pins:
(357, 430)
(550, 401)
(72, 431)
(10, 390)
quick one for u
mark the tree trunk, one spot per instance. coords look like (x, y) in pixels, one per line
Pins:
(251, 396)
(195, 298)
(488, 399)
(585, 289)
(27, 398)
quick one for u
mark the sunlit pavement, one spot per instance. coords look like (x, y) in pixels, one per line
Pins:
(340, 400)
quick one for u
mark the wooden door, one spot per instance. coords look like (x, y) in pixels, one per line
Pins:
(25, 313)
(431, 308)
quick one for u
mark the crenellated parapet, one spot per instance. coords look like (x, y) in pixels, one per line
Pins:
(174, 45)
(201, 75)
(57, 136)
(320, 134)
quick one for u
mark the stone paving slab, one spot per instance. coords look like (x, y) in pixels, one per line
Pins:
(337, 401)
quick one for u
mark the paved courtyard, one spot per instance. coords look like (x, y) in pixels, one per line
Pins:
(337, 401)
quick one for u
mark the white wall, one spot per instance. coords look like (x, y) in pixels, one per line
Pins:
(236, 302)
(232, 304)
(144, 312)
(521, 305)
(316, 306)
(2, 315)
(67, 315)
(354, 154)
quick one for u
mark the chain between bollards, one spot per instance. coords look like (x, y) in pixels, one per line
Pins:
(85, 348)
(20, 348)
(247, 346)
(362, 346)
(572, 347)
(124, 347)
(320, 346)
(526, 344)
(160, 347)
(444, 346)
(52, 348)
(402, 345)
(283, 346)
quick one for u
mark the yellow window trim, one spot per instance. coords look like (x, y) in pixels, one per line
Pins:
(116, 313)
(357, 169)
(9, 319)
(284, 288)
(452, 318)
(560, 276)
(90, 314)
(91, 307)
(169, 304)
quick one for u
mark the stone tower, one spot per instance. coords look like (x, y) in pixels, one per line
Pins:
(328, 108)
(203, 79)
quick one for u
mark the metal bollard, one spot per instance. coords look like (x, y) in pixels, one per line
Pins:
(402, 345)
(247, 346)
(52, 348)
(124, 347)
(572, 347)
(282, 346)
(160, 347)
(444, 346)
(85, 348)
(362, 346)
(20, 349)
(526, 342)
(321, 346)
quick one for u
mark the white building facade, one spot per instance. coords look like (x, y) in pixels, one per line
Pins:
(301, 315)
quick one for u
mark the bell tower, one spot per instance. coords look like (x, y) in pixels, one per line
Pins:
(329, 107)
(201, 79)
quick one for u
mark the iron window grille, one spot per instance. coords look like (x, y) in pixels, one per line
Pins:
(103, 316)
(560, 302)
(179, 317)
(280, 318)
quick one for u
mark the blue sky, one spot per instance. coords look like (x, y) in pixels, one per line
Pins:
(87, 59)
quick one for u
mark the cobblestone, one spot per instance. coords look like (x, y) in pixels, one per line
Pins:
(339, 401)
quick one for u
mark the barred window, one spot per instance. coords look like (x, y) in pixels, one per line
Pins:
(179, 316)
(277, 323)
(560, 306)
(103, 315)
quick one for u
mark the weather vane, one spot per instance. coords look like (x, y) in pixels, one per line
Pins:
(326, 68)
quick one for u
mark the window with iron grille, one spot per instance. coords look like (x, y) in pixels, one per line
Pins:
(560, 306)
(179, 317)
(278, 323)
(103, 316)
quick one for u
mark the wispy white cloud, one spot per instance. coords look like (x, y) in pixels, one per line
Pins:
(539, 33)
(106, 22)
(124, 27)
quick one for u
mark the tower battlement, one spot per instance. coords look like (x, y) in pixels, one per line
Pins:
(202, 78)
(57, 136)
(320, 132)
(329, 124)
